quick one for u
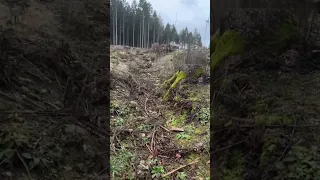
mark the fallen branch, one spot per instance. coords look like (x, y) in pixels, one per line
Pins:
(25, 165)
(175, 129)
(232, 145)
(165, 128)
(63, 113)
(175, 170)
(145, 105)
(282, 126)
(153, 144)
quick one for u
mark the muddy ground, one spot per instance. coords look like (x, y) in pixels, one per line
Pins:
(152, 138)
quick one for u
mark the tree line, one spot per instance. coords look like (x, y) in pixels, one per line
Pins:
(139, 25)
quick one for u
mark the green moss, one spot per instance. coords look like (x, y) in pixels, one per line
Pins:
(193, 97)
(178, 121)
(180, 76)
(166, 95)
(177, 98)
(114, 104)
(229, 43)
(213, 41)
(273, 119)
(199, 72)
(174, 80)
(169, 81)
(197, 131)
(260, 107)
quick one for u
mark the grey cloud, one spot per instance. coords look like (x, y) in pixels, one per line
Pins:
(189, 2)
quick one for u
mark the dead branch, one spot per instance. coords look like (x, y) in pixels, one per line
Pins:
(181, 167)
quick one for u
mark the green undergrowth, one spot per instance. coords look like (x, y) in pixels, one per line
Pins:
(285, 34)
(272, 98)
(300, 163)
(123, 114)
(194, 132)
(273, 119)
(235, 166)
(229, 43)
(270, 147)
(177, 120)
(196, 129)
(122, 159)
(192, 135)
(121, 164)
(199, 72)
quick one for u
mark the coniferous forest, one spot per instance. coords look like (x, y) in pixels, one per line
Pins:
(139, 25)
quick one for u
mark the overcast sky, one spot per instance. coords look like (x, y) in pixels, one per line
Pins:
(190, 13)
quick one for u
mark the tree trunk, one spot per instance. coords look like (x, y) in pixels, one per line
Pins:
(123, 31)
(113, 28)
(148, 36)
(140, 38)
(143, 34)
(158, 39)
(133, 27)
(128, 37)
(154, 33)
(120, 34)
(117, 24)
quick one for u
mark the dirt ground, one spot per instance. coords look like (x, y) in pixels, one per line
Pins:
(151, 138)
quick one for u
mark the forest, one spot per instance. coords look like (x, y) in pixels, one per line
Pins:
(139, 25)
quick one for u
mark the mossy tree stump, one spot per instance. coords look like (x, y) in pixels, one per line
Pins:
(222, 46)
(172, 83)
